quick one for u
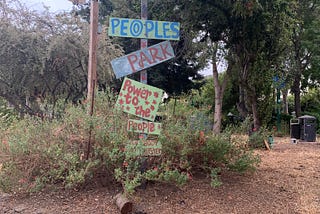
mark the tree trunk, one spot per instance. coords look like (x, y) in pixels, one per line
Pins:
(285, 101)
(218, 93)
(241, 105)
(297, 95)
(255, 114)
(243, 61)
(297, 74)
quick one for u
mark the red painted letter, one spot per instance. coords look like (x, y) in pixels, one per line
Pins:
(164, 51)
(132, 59)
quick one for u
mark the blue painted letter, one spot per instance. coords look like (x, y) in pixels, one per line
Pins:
(114, 23)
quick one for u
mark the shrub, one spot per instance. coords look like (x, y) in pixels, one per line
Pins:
(257, 138)
(72, 150)
(8, 116)
(183, 149)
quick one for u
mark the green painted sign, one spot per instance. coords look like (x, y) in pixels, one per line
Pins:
(139, 99)
(145, 127)
(144, 29)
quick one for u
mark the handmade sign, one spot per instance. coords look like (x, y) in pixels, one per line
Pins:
(144, 29)
(149, 147)
(142, 59)
(145, 127)
(139, 99)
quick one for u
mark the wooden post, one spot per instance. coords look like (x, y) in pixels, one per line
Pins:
(92, 65)
(144, 42)
(144, 79)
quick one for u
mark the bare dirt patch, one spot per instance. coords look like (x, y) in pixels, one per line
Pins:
(287, 181)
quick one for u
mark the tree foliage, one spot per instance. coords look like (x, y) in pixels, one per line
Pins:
(44, 56)
(255, 32)
(305, 51)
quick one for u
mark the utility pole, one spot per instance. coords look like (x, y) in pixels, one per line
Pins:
(92, 65)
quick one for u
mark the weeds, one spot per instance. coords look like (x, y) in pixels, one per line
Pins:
(46, 153)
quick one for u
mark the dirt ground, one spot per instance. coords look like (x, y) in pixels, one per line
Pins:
(287, 181)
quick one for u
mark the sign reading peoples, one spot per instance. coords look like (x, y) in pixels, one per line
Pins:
(148, 29)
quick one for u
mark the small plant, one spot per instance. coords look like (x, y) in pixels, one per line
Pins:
(215, 181)
(244, 162)
(216, 150)
(257, 138)
(7, 115)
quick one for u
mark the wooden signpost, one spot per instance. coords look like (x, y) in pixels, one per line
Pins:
(144, 29)
(138, 98)
(142, 59)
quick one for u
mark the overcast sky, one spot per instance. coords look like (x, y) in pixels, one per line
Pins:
(55, 5)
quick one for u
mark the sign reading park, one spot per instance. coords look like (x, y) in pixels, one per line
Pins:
(145, 127)
(144, 29)
(139, 99)
(142, 59)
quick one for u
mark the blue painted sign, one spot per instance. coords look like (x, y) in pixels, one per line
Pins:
(279, 82)
(144, 29)
(142, 59)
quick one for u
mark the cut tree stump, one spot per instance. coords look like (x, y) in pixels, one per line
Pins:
(123, 204)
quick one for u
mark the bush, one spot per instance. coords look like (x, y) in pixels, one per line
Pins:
(45, 152)
(183, 148)
(74, 149)
(257, 138)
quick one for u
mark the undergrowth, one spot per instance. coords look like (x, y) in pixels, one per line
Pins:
(72, 150)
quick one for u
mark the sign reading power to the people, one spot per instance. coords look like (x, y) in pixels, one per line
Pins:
(139, 99)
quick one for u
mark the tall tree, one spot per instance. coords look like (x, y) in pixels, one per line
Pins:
(255, 31)
(306, 54)
(260, 37)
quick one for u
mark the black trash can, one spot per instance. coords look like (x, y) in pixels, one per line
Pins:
(295, 128)
(308, 128)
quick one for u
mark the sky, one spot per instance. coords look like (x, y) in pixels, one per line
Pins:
(55, 5)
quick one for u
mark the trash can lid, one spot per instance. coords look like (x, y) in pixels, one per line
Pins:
(307, 117)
